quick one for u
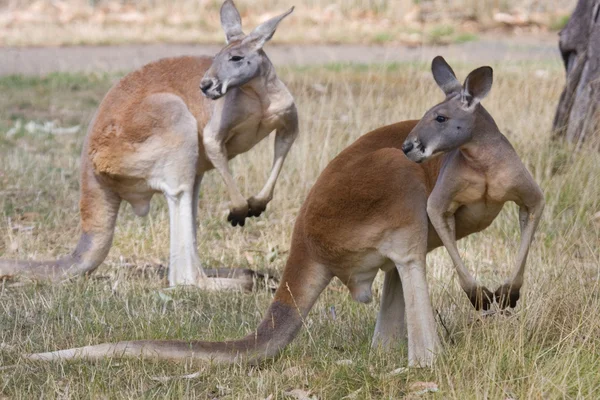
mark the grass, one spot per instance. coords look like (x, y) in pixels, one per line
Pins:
(102, 22)
(548, 348)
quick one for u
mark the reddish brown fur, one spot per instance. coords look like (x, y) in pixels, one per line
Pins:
(115, 134)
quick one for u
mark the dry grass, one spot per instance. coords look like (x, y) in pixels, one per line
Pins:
(548, 348)
(29, 22)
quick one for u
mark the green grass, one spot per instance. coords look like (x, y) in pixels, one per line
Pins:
(548, 348)
(559, 22)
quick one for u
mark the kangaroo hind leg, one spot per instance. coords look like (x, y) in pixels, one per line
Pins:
(391, 325)
(172, 157)
(407, 248)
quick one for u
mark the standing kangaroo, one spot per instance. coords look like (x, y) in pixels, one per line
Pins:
(155, 132)
(369, 210)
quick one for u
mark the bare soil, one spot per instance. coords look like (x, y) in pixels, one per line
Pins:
(43, 60)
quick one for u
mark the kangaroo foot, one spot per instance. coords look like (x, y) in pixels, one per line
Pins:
(507, 296)
(481, 298)
(257, 206)
(237, 216)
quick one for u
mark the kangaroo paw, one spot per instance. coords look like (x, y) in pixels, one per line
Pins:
(237, 216)
(257, 207)
(507, 296)
(481, 298)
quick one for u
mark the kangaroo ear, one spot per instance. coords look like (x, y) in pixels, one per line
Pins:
(444, 76)
(231, 22)
(477, 86)
(262, 33)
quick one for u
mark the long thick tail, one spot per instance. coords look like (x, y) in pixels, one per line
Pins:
(99, 208)
(299, 288)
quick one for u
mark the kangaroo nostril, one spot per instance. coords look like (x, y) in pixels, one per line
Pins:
(407, 147)
(205, 84)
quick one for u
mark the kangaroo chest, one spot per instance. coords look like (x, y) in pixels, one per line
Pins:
(246, 135)
(254, 126)
(477, 203)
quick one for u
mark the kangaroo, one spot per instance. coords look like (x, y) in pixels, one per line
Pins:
(155, 132)
(369, 210)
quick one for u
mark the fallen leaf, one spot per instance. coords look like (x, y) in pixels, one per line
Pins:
(164, 379)
(397, 371)
(29, 216)
(319, 88)
(165, 298)
(353, 395)
(344, 362)
(423, 387)
(17, 284)
(249, 257)
(300, 394)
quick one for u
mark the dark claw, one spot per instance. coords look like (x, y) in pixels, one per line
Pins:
(506, 296)
(481, 298)
(237, 217)
(256, 208)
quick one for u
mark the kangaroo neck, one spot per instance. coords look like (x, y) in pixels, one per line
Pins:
(267, 88)
(478, 151)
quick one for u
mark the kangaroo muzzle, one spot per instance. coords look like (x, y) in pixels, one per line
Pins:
(212, 88)
(414, 150)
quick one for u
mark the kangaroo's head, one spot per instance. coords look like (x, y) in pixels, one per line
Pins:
(451, 123)
(241, 60)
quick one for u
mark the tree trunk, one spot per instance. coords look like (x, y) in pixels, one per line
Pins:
(578, 116)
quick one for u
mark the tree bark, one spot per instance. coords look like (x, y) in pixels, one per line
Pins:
(578, 116)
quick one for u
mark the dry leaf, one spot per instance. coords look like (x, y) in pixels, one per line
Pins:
(249, 257)
(423, 387)
(397, 371)
(300, 394)
(164, 379)
(353, 395)
(16, 284)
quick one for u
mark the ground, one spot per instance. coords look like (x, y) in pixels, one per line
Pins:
(489, 48)
(548, 347)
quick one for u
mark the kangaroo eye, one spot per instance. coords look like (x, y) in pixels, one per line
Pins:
(236, 58)
(441, 118)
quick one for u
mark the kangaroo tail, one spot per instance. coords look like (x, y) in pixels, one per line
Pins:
(99, 208)
(299, 288)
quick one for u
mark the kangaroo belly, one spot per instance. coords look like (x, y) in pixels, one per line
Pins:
(475, 217)
(245, 136)
(470, 218)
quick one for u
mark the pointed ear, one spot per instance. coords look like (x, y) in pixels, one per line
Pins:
(477, 86)
(444, 76)
(231, 22)
(262, 33)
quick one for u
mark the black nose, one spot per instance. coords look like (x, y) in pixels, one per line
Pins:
(205, 84)
(407, 147)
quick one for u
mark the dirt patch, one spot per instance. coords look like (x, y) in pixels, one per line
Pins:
(43, 60)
